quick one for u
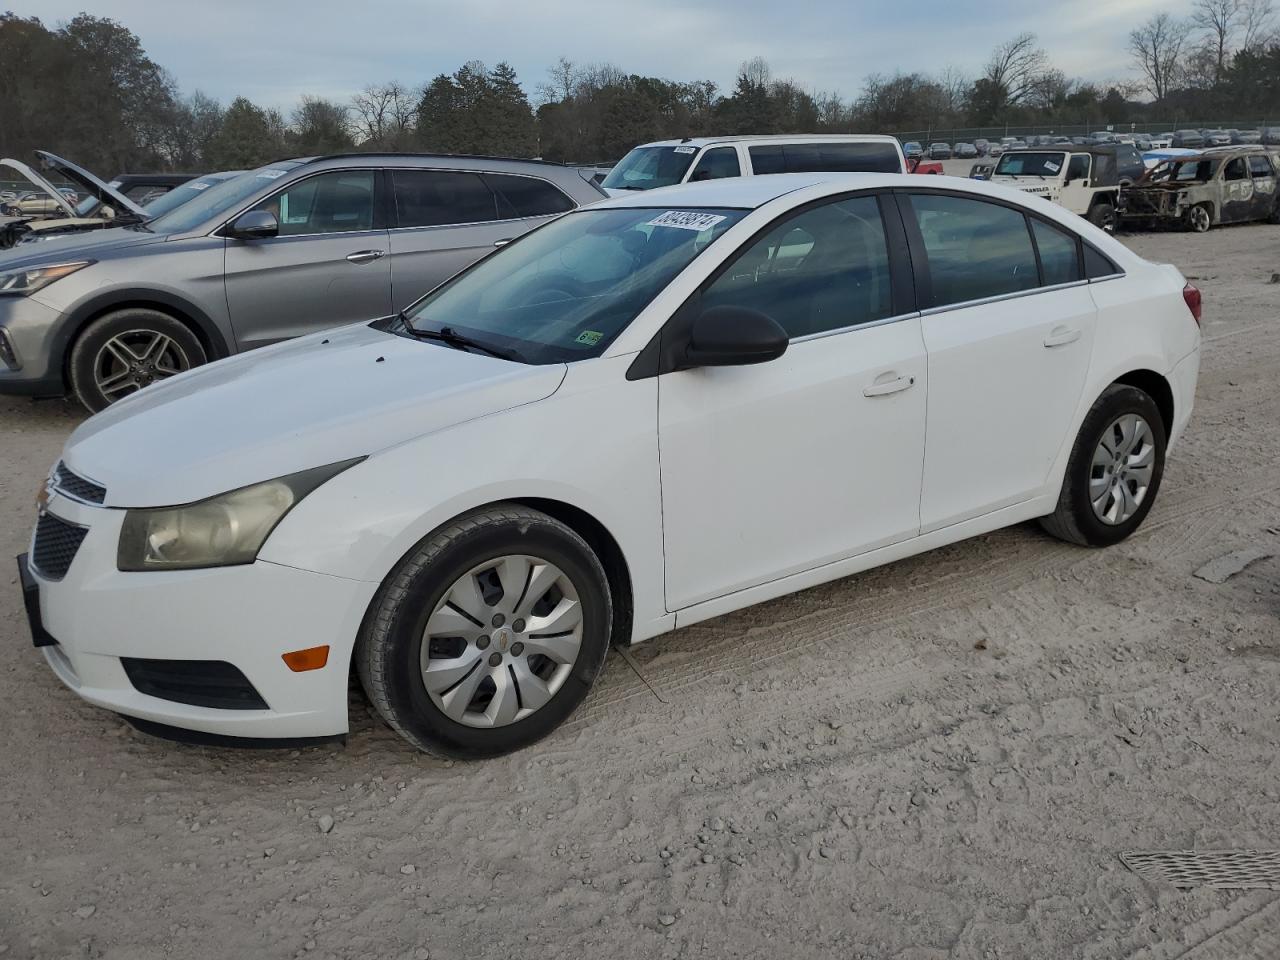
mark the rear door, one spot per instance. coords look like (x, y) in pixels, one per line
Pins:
(327, 266)
(1237, 191)
(445, 220)
(1008, 326)
(1264, 187)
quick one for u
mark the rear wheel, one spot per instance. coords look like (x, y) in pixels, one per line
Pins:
(1199, 218)
(1103, 216)
(122, 352)
(1114, 472)
(488, 635)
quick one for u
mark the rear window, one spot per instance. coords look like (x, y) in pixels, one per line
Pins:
(856, 157)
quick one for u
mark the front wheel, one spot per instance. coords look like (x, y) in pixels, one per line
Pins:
(1114, 471)
(1199, 219)
(1103, 216)
(122, 352)
(488, 635)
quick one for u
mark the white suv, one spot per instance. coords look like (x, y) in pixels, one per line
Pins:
(665, 163)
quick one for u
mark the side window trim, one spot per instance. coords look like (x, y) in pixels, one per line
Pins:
(657, 356)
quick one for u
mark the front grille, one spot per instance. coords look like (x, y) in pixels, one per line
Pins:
(77, 486)
(55, 546)
(200, 683)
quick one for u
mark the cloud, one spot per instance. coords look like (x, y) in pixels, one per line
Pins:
(275, 52)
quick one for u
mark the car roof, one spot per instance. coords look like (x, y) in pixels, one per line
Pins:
(442, 160)
(778, 137)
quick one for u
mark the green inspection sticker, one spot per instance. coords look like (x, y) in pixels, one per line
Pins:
(588, 337)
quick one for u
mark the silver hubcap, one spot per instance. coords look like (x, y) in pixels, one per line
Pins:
(1123, 465)
(502, 641)
(1200, 219)
(130, 361)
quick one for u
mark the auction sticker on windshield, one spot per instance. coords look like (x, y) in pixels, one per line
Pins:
(1052, 167)
(686, 220)
(686, 149)
(271, 174)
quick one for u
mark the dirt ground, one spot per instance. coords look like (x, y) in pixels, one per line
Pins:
(939, 758)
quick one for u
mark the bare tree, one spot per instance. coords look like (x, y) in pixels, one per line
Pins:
(756, 72)
(1257, 23)
(1157, 50)
(384, 114)
(955, 84)
(1217, 21)
(1016, 66)
(562, 78)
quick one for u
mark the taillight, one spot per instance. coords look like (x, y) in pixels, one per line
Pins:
(1191, 294)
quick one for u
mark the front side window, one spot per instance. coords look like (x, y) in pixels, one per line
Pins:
(1059, 257)
(647, 167)
(824, 269)
(336, 202)
(1235, 170)
(717, 164)
(975, 249)
(566, 290)
(436, 198)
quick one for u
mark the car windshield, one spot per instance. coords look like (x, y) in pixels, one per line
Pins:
(219, 199)
(565, 291)
(647, 167)
(1030, 164)
(184, 193)
(1181, 171)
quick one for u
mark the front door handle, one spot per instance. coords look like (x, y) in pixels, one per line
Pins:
(503, 242)
(878, 389)
(366, 256)
(1061, 336)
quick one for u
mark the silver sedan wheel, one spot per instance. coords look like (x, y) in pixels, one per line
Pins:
(132, 360)
(502, 641)
(1123, 465)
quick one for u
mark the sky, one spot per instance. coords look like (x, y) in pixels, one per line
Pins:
(274, 51)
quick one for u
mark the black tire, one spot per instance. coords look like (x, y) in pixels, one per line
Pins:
(390, 645)
(1074, 519)
(1103, 216)
(131, 321)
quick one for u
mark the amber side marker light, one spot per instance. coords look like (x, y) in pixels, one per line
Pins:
(312, 658)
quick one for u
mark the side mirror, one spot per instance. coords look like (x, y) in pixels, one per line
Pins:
(255, 225)
(732, 337)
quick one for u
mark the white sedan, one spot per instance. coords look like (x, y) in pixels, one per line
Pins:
(648, 412)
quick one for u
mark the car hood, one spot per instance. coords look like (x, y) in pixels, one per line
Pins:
(38, 181)
(76, 245)
(105, 193)
(321, 399)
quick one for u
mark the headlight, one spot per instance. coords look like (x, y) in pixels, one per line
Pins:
(22, 282)
(219, 532)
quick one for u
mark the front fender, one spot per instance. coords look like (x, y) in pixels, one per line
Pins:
(592, 445)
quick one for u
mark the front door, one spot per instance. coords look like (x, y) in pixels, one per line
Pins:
(776, 468)
(1008, 352)
(1237, 191)
(328, 265)
(1077, 190)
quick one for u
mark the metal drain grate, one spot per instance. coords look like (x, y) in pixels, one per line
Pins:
(1224, 869)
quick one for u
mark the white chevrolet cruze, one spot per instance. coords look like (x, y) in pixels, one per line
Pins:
(648, 412)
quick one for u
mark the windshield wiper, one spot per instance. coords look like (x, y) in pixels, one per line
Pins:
(629, 186)
(459, 341)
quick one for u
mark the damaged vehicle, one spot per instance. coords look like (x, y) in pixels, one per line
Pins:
(1206, 189)
(1086, 180)
(102, 206)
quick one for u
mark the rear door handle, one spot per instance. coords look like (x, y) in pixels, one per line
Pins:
(366, 256)
(1061, 336)
(503, 242)
(878, 389)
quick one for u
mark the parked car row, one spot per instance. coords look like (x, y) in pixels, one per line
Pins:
(1142, 141)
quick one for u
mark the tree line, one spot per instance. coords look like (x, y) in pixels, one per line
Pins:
(88, 90)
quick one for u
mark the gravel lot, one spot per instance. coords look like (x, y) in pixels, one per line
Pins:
(940, 758)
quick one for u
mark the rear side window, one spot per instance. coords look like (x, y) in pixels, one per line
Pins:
(1097, 265)
(1059, 256)
(857, 157)
(975, 249)
(435, 198)
(717, 164)
(1260, 166)
(824, 269)
(520, 197)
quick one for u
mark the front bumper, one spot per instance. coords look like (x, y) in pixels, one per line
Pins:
(247, 616)
(35, 333)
